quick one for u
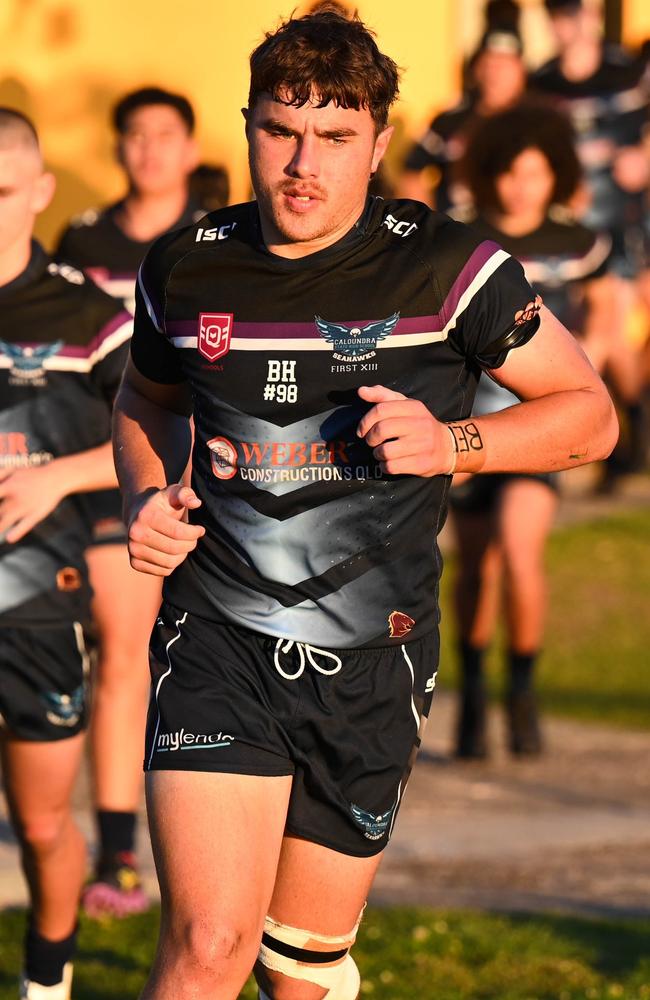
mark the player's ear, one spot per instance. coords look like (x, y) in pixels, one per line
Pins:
(119, 153)
(43, 192)
(246, 112)
(381, 145)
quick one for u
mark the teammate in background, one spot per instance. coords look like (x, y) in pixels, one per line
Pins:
(497, 78)
(521, 167)
(604, 92)
(294, 658)
(157, 150)
(63, 348)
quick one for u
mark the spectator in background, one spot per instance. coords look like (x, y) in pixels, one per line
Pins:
(157, 150)
(497, 78)
(210, 187)
(604, 92)
(518, 166)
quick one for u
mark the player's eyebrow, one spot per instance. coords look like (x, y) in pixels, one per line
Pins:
(275, 125)
(336, 133)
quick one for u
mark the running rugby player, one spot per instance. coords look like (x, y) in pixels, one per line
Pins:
(157, 151)
(63, 345)
(295, 654)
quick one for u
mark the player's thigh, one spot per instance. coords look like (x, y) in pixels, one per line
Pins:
(125, 602)
(526, 513)
(319, 889)
(39, 779)
(217, 839)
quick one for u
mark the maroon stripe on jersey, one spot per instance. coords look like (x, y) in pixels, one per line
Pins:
(406, 325)
(466, 275)
(84, 352)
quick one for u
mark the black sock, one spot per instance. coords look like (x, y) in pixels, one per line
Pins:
(471, 661)
(116, 831)
(522, 666)
(45, 959)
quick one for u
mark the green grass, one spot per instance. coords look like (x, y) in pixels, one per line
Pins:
(404, 954)
(594, 663)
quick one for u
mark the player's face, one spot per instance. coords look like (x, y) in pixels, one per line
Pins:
(567, 28)
(310, 168)
(24, 192)
(156, 150)
(527, 187)
(500, 77)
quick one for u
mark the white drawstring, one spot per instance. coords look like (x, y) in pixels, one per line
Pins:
(284, 645)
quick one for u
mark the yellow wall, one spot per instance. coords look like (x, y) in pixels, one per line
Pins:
(636, 21)
(64, 62)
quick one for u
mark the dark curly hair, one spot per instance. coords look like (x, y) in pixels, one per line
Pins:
(327, 56)
(495, 142)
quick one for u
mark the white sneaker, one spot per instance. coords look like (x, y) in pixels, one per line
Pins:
(60, 991)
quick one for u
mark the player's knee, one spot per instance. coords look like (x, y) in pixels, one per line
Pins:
(301, 965)
(211, 948)
(42, 834)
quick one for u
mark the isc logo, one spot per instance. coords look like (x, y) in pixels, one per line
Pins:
(218, 233)
(402, 228)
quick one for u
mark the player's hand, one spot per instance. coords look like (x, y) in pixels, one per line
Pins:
(405, 436)
(27, 496)
(159, 535)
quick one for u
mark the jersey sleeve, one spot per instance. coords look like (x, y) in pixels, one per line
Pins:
(109, 355)
(151, 352)
(429, 150)
(501, 312)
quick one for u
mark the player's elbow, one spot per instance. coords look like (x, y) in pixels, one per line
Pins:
(605, 427)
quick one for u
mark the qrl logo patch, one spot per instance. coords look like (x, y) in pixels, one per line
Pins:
(224, 457)
(399, 624)
(215, 330)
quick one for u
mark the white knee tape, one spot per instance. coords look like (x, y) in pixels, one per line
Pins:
(312, 958)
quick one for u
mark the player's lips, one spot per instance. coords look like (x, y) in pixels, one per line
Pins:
(299, 200)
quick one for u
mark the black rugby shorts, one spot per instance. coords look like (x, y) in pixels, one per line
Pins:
(346, 723)
(43, 681)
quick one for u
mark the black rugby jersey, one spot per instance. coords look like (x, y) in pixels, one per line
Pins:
(306, 537)
(558, 258)
(442, 146)
(63, 344)
(608, 110)
(95, 243)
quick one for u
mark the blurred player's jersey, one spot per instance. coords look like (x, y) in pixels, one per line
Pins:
(441, 146)
(63, 345)
(609, 110)
(558, 258)
(95, 243)
(306, 537)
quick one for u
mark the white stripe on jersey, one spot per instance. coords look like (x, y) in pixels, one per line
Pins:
(312, 343)
(64, 364)
(486, 272)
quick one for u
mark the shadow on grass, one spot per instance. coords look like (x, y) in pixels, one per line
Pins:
(612, 947)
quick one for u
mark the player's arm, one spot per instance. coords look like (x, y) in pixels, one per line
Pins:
(151, 442)
(27, 496)
(565, 419)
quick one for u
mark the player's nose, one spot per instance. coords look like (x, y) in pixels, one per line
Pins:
(305, 161)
